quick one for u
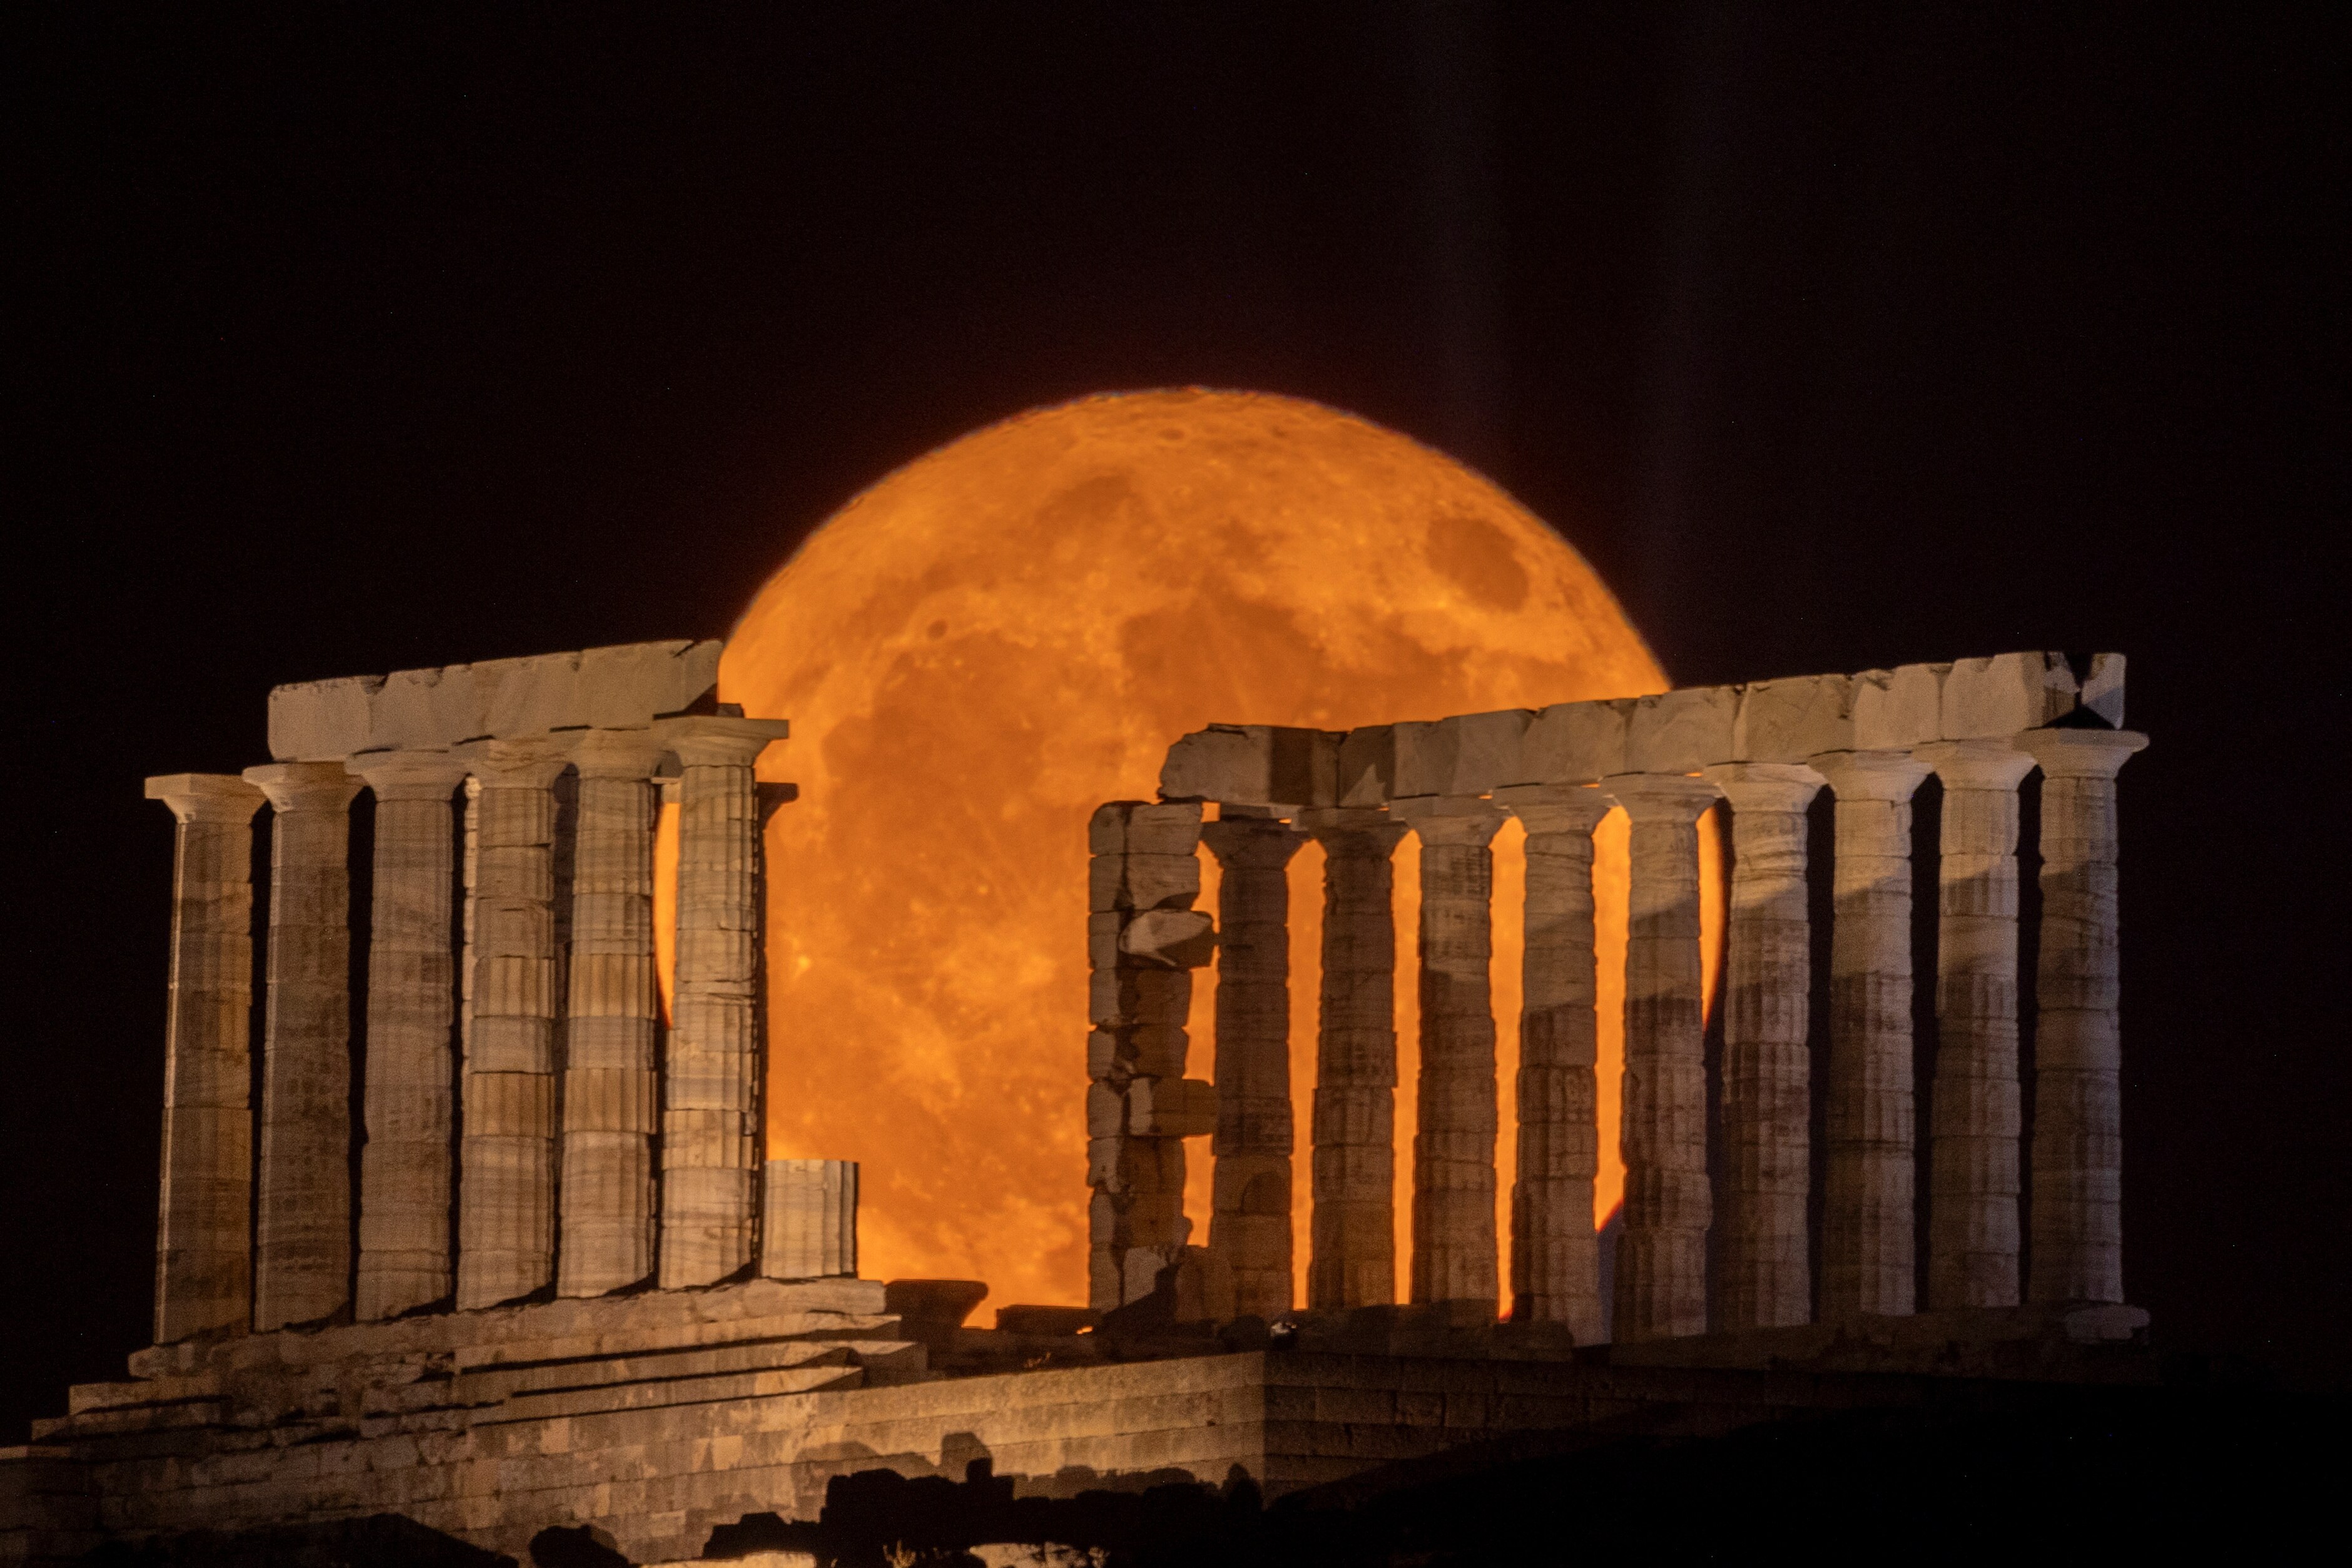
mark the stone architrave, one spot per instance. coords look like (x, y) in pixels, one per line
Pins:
(302, 1252)
(1352, 1261)
(204, 1219)
(1975, 1115)
(505, 1181)
(1868, 1240)
(1555, 1251)
(405, 1163)
(2077, 1203)
(612, 1020)
(1456, 1120)
(710, 1080)
(1249, 1220)
(1662, 1253)
(1763, 1275)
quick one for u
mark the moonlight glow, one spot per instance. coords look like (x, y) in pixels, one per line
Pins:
(1002, 635)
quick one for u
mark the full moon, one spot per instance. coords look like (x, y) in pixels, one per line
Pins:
(1005, 633)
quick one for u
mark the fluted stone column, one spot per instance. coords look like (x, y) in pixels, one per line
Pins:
(710, 1100)
(302, 1233)
(1975, 1117)
(1764, 1277)
(1456, 1121)
(1662, 1253)
(406, 1162)
(1353, 1228)
(2077, 1201)
(1249, 1221)
(1555, 1251)
(204, 1212)
(1868, 1241)
(611, 1095)
(506, 1183)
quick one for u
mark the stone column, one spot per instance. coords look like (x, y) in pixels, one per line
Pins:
(2077, 1201)
(1868, 1256)
(204, 1219)
(1555, 1251)
(406, 1162)
(1143, 941)
(611, 1095)
(1974, 1114)
(506, 1183)
(1662, 1253)
(710, 1082)
(1764, 1276)
(1456, 1121)
(1249, 1221)
(302, 1234)
(1353, 1262)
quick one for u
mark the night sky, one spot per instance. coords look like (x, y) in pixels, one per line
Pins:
(1834, 338)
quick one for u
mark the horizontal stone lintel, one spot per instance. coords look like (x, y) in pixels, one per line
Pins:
(1271, 767)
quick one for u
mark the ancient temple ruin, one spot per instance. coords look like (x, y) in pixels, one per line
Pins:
(551, 1279)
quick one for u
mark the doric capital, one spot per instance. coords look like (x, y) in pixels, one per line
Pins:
(1461, 821)
(411, 775)
(2081, 753)
(305, 786)
(631, 755)
(1977, 764)
(1367, 830)
(1890, 775)
(1555, 808)
(1766, 786)
(535, 763)
(706, 741)
(1251, 841)
(1662, 797)
(206, 797)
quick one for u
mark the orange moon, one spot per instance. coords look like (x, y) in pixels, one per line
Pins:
(1005, 633)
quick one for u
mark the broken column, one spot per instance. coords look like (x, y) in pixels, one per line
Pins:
(1352, 1260)
(2077, 1201)
(1555, 1251)
(710, 1080)
(1868, 1260)
(404, 1162)
(1975, 1117)
(1455, 1123)
(1764, 1274)
(302, 1252)
(611, 1096)
(1662, 1253)
(1249, 1221)
(506, 1183)
(808, 1220)
(204, 1236)
(1144, 940)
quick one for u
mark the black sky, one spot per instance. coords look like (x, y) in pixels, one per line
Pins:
(348, 341)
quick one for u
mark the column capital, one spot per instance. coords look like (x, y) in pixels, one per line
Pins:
(1662, 797)
(534, 762)
(1766, 786)
(1890, 775)
(206, 797)
(1463, 821)
(304, 787)
(411, 775)
(628, 754)
(1977, 764)
(2081, 753)
(1555, 808)
(1251, 841)
(704, 741)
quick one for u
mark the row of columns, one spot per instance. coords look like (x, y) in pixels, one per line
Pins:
(1763, 1275)
(563, 1098)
